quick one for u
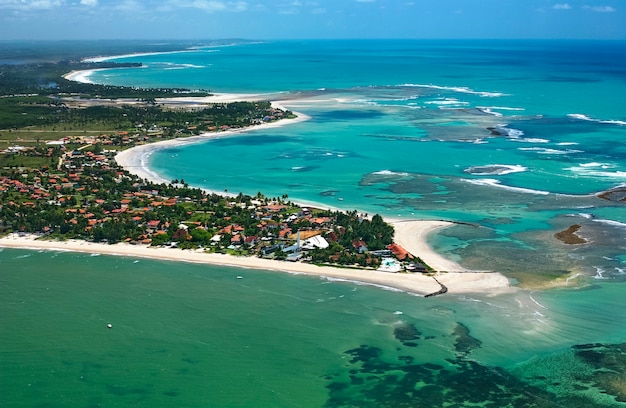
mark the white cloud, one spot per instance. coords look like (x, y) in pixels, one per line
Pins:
(562, 6)
(89, 2)
(365, 1)
(30, 4)
(128, 6)
(600, 9)
(211, 6)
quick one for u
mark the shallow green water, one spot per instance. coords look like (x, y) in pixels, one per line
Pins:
(195, 335)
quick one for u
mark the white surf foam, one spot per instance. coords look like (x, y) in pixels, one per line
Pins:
(447, 102)
(611, 223)
(460, 89)
(580, 116)
(496, 169)
(532, 140)
(510, 132)
(598, 170)
(594, 164)
(505, 108)
(542, 150)
(496, 183)
(390, 173)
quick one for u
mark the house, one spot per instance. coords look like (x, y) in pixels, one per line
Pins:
(268, 250)
(399, 252)
(359, 245)
(251, 240)
(416, 267)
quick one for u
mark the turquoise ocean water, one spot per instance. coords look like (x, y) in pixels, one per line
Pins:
(513, 137)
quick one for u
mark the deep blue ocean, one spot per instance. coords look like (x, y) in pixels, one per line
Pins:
(514, 139)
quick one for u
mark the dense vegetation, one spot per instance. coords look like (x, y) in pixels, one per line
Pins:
(57, 115)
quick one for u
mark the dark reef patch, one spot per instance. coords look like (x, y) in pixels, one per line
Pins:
(406, 332)
(617, 195)
(464, 342)
(570, 236)
(373, 381)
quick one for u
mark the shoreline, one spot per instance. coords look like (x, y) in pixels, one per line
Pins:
(414, 283)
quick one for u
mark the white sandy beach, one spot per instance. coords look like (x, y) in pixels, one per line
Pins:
(411, 235)
(412, 283)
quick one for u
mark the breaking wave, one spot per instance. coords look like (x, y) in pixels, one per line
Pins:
(496, 183)
(390, 173)
(495, 169)
(597, 170)
(503, 130)
(460, 89)
(589, 119)
(611, 223)
(542, 150)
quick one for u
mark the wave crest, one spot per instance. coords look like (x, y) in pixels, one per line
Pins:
(580, 116)
(496, 183)
(390, 173)
(460, 89)
(495, 169)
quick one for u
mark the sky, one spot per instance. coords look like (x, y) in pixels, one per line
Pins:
(311, 19)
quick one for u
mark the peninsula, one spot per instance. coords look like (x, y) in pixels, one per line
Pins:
(90, 191)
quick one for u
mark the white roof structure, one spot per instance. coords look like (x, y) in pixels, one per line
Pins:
(315, 242)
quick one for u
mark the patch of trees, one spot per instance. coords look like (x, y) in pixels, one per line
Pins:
(23, 111)
(375, 232)
(47, 79)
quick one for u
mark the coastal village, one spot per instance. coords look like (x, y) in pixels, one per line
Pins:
(84, 194)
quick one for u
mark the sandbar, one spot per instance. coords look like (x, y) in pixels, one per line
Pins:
(412, 236)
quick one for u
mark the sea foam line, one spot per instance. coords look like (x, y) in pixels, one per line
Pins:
(460, 89)
(496, 183)
(507, 108)
(580, 116)
(390, 173)
(495, 169)
(611, 223)
(542, 150)
(596, 170)
(510, 132)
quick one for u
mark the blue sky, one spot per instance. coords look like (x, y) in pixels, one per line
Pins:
(278, 19)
